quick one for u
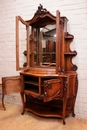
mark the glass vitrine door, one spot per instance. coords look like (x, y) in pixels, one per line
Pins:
(22, 43)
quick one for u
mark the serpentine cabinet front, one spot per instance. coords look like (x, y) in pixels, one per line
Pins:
(49, 95)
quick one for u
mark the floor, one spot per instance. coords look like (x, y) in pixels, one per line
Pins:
(11, 119)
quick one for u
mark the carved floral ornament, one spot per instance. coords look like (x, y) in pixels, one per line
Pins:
(41, 10)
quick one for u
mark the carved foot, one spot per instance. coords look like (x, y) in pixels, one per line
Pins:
(3, 106)
(64, 122)
(4, 109)
(23, 112)
(73, 114)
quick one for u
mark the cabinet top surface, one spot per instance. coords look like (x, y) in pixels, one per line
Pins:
(38, 72)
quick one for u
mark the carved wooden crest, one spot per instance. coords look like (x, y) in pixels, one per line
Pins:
(41, 10)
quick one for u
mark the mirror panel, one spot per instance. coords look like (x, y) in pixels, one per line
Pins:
(44, 46)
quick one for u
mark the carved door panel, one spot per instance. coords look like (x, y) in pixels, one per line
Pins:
(73, 84)
(11, 84)
(53, 89)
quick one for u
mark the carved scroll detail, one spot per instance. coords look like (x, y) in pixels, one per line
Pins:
(65, 84)
(48, 85)
(75, 67)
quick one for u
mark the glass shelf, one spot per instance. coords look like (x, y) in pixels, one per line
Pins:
(42, 53)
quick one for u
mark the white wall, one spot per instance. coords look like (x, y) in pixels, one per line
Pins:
(74, 10)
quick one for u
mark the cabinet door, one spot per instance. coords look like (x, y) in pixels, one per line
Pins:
(73, 86)
(53, 89)
(22, 43)
(11, 84)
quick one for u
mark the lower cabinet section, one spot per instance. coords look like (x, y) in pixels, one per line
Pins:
(49, 96)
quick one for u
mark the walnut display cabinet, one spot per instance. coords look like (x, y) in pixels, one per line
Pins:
(48, 76)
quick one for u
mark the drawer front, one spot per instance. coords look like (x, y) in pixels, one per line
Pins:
(53, 89)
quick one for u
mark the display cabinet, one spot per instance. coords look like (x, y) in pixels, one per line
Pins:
(48, 76)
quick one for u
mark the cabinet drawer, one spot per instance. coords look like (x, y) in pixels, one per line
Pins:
(53, 89)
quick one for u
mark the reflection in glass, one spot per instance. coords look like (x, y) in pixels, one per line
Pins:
(45, 46)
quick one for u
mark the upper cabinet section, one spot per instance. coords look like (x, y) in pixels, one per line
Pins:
(40, 42)
(42, 18)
